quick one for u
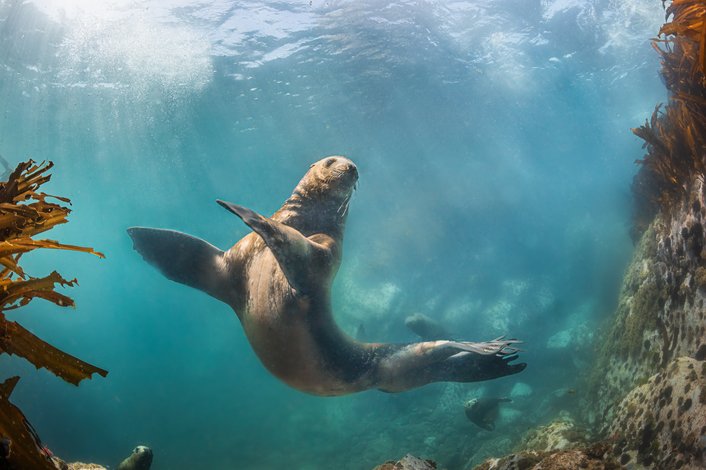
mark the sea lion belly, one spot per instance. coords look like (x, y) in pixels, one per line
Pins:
(280, 325)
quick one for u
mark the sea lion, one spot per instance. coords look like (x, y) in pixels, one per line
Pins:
(278, 281)
(140, 459)
(426, 328)
(484, 411)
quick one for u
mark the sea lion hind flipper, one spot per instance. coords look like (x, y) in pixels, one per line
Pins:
(184, 259)
(295, 253)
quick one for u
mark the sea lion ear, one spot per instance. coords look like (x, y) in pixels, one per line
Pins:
(184, 259)
(295, 253)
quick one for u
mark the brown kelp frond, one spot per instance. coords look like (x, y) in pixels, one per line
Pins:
(675, 136)
(18, 293)
(20, 446)
(25, 212)
(14, 339)
(688, 21)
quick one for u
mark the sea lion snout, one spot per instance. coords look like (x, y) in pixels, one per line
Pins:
(340, 166)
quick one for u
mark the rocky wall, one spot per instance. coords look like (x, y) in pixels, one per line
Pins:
(660, 315)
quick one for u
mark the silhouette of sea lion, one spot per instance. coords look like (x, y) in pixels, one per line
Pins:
(484, 411)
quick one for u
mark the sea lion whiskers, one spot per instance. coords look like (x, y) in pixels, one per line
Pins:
(345, 204)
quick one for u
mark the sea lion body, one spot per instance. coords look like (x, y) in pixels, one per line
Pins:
(484, 411)
(278, 281)
(426, 328)
(140, 459)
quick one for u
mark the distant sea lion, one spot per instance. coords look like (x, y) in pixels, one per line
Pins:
(278, 281)
(140, 459)
(484, 411)
(426, 328)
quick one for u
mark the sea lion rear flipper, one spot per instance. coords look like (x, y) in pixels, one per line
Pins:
(294, 252)
(184, 259)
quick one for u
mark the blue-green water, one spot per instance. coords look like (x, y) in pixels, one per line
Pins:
(495, 158)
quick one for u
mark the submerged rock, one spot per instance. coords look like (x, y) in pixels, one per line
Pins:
(140, 459)
(521, 389)
(408, 462)
(594, 458)
(662, 423)
(560, 434)
(84, 466)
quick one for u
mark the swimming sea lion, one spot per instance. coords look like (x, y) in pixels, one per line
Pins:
(278, 281)
(484, 411)
(426, 328)
(140, 459)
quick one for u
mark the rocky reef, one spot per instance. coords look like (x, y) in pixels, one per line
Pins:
(662, 423)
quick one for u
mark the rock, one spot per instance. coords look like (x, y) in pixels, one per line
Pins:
(560, 340)
(592, 458)
(560, 434)
(662, 422)
(521, 389)
(140, 459)
(408, 462)
(660, 314)
(578, 335)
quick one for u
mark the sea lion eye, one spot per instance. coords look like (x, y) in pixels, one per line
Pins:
(329, 162)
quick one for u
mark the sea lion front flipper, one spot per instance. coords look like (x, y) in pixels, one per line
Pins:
(184, 259)
(295, 253)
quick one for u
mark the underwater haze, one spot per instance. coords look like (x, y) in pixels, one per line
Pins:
(495, 156)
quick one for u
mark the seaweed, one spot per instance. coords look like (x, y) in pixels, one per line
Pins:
(24, 213)
(20, 446)
(675, 136)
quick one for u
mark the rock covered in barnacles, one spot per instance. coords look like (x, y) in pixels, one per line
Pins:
(591, 458)
(662, 423)
(560, 434)
(85, 466)
(408, 462)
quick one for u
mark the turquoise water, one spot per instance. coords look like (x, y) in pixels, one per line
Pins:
(495, 158)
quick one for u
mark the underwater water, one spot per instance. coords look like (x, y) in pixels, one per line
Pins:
(495, 156)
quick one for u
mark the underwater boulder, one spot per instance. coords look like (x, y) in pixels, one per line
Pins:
(521, 390)
(591, 458)
(84, 466)
(560, 434)
(408, 462)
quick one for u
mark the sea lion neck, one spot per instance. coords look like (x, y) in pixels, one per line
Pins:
(319, 202)
(312, 215)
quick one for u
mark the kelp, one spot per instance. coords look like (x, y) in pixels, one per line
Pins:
(675, 136)
(23, 449)
(24, 213)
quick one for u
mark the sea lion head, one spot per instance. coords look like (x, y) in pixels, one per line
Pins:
(334, 177)
(319, 203)
(140, 459)
(471, 403)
